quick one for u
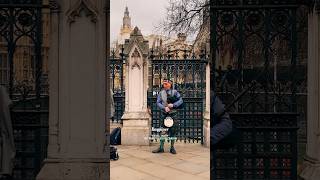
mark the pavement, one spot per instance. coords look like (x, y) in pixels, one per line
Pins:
(192, 162)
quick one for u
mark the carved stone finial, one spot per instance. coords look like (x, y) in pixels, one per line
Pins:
(85, 5)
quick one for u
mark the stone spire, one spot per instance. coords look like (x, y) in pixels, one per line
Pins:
(126, 19)
(126, 28)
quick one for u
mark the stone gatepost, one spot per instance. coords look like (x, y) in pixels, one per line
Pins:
(77, 74)
(206, 119)
(311, 166)
(136, 119)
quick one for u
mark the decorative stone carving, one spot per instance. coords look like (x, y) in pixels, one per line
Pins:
(54, 6)
(85, 5)
(135, 55)
(144, 63)
(314, 5)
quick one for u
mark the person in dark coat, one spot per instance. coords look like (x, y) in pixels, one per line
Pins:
(7, 146)
(222, 124)
(112, 108)
(169, 108)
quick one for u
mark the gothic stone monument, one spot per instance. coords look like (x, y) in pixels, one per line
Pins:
(136, 119)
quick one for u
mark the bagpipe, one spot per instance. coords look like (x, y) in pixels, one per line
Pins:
(168, 122)
(171, 99)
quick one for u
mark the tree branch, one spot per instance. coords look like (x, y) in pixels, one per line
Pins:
(184, 16)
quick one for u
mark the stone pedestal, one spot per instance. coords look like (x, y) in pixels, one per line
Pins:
(136, 119)
(74, 169)
(136, 129)
(77, 119)
(311, 166)
(310, 169)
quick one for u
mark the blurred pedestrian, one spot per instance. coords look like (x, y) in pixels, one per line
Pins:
(7, 147)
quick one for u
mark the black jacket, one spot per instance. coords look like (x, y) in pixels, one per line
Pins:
(222, 124)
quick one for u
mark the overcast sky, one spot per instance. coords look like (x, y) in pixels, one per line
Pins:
(144, 13)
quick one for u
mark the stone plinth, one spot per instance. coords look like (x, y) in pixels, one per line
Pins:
(136, 129)
(311, 169)
(76, 169)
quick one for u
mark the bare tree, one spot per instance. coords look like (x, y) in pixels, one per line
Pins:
(184, 16)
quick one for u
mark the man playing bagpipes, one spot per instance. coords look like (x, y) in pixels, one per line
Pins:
(169, 101)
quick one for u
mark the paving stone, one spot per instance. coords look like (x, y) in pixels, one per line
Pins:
(115, 163)
(140, 154)
(123, 155)
(205, 174)
(200, 153)
(200, 160)
(190, 167)
(183, 155)
(129, 162)
(126, 173)
(166, 172)
(166, 159)
(139, 163)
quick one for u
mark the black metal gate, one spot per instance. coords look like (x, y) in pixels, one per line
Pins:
(188, 75)
(117, 64)
(22, 73)
(254, 45)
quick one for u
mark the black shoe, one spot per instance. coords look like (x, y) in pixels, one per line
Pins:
(159, 150)
(173, 151)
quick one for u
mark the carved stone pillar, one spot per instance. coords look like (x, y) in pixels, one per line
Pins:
(77, 92)
(311, 166)
(206, 122)
(136, 120)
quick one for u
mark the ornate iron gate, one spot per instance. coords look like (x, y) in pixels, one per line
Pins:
(254, 54)
(22, 72)
(188, 75)
(117, 65)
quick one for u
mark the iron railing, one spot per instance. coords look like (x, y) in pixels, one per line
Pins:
(21, 32)
(268, 148)
(117, 65)
(254, 45)
(188, 75)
